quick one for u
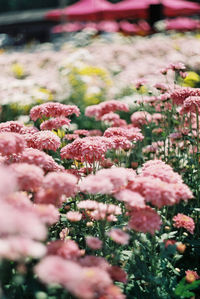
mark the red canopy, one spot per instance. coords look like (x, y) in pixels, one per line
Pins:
(84, 10)
(94, 10)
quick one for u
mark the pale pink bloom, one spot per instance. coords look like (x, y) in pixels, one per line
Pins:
(20, 200)
(88, 149)
(55, 123)
(82, 282)
(20, 221)
(118, 236)
(118, 274)
(111, 116)
(181, 220)
(87, 204)
(95, 133)
(121, 143)
(11, 126)
(132, 199)
(132, 134)
(73, 216)
(115, 178)
(145, 220)
(99, 110)
(52, 109)
(8, 182)
(11, 143)
(178, 66)
(81, 132)
(161, 86)
(39, 158)
(160, 193)
(43, 140)
(71, 136)
(67, 249)
(181, 94)
(140, 82)
(94, 261)
(47, 213)
(191, 104)
(119, 123)
(141, 118)
(93, 242)
(114, 292)
(56, 184)
(191, 276)
(17, 247)
(29, 177)
(155, 147)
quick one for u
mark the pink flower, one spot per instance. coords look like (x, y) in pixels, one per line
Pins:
(17, 127)
(52, 109)
(191, 276)
(191, 104)
(66, 249)
(29, 177)
(17, 247)
(88, 149)
(93, 242)
(181, 220)
(56, 184)
(180, 94)
(132, 199)
(132, 134)
(94, 261)
(145, 220)
(43, 140)
(55, 123)
(98, 111)
(95, 133)
(73, 216)
(119, 236)
(82, 132)
(87, 204)
(141, 118)
(47, 213)
(64, 233)
(39, 158)
(11, 143)
(121, 143)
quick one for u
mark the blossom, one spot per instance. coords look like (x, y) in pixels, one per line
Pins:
(11, 143)
(99, 110)
(17, 247)
(52, 109)
(55, 123)
(88, 149)
(56, 184)
(93, 242)
(73, 216)
(181, 220)
(191, 104)
(191, 276)
(67, 249)
(179, 95)
(82, 132)
(87, 204)
(132, 134)
(47, 213)
(119, 236)
(29, 177)
(43, 140)
(141, 118)
(132, 199)
(39, 158)
(145, 220)
(118, 274)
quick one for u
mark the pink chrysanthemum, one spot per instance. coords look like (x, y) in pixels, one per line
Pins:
(55, 123)
(132, 199)
(88, 149)
(29, 177)
(52, 109)
(132, 134)
(181, 220)
(67, 249)
(141, 118)
(56, 184)
(43, 140)
(191, 276)
(145, 220)
(121, 142)
(73, 216)
(11, 143)
(191, 104)
(87, 204)
(181, 94)
(119, 236)
(93, 242)
(17, 127)
(118, 274)
(47, 213)
(95, 133)
(99, 110)
(106, 181)
(39, 158)
(81, 132)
